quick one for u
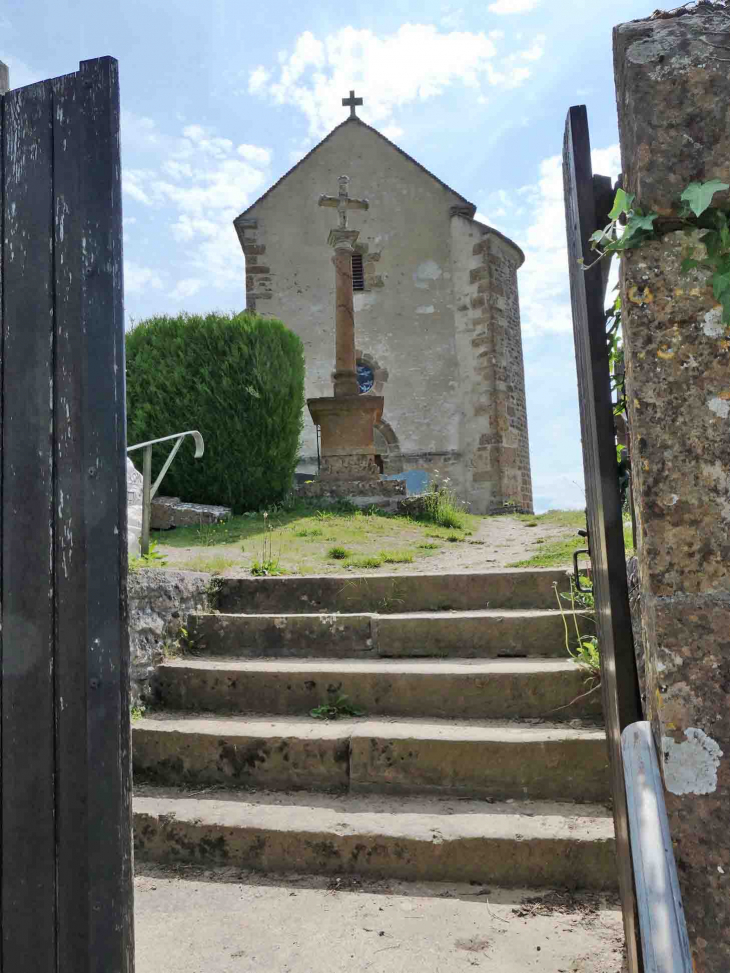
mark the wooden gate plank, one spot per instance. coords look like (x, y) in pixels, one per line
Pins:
(71, 593)
(66, 775)
(105, 514)
(620, 685)
(28, 873)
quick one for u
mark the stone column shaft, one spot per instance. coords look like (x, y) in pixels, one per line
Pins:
(673, 92)
(345, 377)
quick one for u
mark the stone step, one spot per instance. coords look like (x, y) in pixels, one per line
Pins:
(492, 760)
(392, 593)
(489, 633)
(513, 845)
(479, 689)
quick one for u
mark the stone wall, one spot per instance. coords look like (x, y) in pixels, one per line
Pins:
(673, 91)
(489, 344)
(159, 602)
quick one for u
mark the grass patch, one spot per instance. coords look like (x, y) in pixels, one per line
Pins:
(555, 518)
(268, 568)
(368, 561)
(552, 555)
(396, 557)
(441, 507)
(216, 564)
(299, 535)
(339, 553)
(559, 553)
(429, 547)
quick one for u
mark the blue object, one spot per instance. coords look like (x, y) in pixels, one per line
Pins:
(365, 377)
(416, 481)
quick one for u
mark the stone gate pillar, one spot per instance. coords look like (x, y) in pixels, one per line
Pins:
(673, 92)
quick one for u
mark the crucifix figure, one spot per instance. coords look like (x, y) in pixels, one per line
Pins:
(351, 103)
(343, 202)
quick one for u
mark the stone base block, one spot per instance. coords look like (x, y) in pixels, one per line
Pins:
(170, 512)
(383, 494)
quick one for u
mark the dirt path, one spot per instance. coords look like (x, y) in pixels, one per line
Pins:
(497, 543)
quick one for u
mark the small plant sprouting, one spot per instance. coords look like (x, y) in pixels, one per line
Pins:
(585, 650)
(334, 710)
(153, 559)
(137, 712)
(267, 565)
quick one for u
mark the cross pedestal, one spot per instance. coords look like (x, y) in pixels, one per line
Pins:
(346, 435)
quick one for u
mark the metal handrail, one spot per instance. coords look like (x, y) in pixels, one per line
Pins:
(662, 926)
(149, 489)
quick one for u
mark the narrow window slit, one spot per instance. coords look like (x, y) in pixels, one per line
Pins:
(358, 275)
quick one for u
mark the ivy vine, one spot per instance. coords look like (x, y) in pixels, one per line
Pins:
(696, 213)
(638, 227)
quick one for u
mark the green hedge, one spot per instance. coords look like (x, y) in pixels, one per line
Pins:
(239, 379)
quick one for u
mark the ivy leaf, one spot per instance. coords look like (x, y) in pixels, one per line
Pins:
(725, 301)
(621, 204)
(699, 194)
(689, 264)
(720, 285)
(638, 222)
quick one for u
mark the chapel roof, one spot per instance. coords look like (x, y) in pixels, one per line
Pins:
(470, 208)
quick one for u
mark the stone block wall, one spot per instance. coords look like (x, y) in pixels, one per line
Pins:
(490, 344)
(159, 603)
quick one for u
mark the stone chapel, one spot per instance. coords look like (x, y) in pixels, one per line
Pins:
(436, 312)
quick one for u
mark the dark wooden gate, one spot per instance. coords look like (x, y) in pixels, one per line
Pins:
(66, 838)
(587, 203)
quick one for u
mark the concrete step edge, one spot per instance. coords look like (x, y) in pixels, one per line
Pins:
(457, 731)
(501, 845)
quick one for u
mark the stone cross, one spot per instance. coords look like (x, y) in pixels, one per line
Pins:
(341, 239)
(343, 202)
(351, 103)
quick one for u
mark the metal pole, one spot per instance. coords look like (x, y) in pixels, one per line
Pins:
(146, 501)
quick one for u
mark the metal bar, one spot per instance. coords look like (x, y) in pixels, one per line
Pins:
(144, 542)
(166, 467)
(664, 939)
(199, 444)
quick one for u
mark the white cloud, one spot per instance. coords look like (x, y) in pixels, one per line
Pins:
(512, 6)
(186, 288)
(138, 279)
(543, 280)
(200, 182)
(415, 63)
(254, 153)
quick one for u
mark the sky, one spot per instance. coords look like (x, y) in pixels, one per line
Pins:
(220, 99)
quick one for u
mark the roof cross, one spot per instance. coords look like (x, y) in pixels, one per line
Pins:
(351, 102)
(343, 202)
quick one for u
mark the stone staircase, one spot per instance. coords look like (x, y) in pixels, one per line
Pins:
(471, 764)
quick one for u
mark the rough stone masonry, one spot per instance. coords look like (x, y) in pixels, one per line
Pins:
(673, 92)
